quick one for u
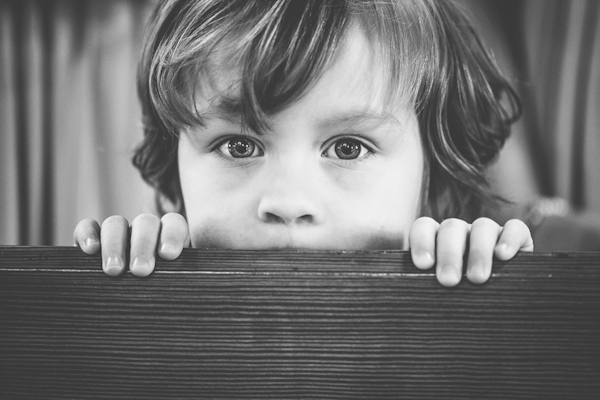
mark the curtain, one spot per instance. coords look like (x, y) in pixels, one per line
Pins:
(550, 167)
(562, 61)
(68, 116)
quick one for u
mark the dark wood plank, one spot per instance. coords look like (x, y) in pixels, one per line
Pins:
(275, 325)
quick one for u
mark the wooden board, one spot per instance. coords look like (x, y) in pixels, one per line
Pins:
(277, 325)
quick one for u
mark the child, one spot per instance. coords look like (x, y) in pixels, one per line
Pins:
(317, 124)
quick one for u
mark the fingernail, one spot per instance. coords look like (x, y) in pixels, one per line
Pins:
(90, 241)
(425, 257)
(113, 265)
(450, 274)
(476, 273)
(168, 248)
(141, 266)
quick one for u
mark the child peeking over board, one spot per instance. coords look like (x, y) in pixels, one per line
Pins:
(317, 124)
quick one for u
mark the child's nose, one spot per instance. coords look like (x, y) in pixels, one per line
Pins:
(290, 200)
(286, 211)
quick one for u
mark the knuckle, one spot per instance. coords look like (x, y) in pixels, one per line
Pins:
(113, 246)
(174, 229)
(86, 222)
(115, 220)
(143, 244)
(478, 255)
(517, 225)
(84, 227)
(424, 224)
(144, 233)
(427, 221)
(454, 224)
(174, 223)
(484, 223)
(418, 246)
(173, 218)
(146, 219)
(450, 256)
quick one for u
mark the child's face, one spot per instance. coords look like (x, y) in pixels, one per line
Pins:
(334, 172)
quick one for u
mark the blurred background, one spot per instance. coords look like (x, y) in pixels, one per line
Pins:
(69, 117)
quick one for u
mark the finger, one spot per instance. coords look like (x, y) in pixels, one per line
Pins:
(515, 237)
(87, 236)
(145, 229)
(114, 235)
(482, 240)
(174, 236)
(451, 244)
(422, 242)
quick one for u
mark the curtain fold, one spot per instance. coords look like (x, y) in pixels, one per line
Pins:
(562, 51)
(69, 116)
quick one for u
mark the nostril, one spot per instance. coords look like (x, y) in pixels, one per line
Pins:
(286, 211)
(276, 219)
(308, 219)
(273, 218)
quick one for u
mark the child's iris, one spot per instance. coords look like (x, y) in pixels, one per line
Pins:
(348, 149)
(241, 148)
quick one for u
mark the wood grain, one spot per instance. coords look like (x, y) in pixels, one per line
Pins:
(285, 324)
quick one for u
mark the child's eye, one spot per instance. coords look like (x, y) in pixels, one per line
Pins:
(347, 149)
(240, 147)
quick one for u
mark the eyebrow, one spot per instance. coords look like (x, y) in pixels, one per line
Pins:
(228, 108)
(357, 117)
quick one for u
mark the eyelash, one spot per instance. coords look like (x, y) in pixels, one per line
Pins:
(364, 150)
(227, 147)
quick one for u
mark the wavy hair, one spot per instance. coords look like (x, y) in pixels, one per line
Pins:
(431, 55)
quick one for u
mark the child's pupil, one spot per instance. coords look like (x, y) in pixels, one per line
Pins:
(241, 148)
(347, 149)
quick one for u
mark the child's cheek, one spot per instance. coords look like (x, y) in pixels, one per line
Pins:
(218, 209)
(378, 204)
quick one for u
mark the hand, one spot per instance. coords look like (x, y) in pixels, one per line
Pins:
(444, 245)
(149, 236)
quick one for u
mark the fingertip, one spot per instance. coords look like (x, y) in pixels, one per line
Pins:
(90, 245)
(448, 276)
(422, 242)
(422, 259)
(504, 251)
(515, 237)
(478, 274)
(174, 236)
(479, 264)
(169, 250)
(86, 236)
(113, 265)
(142, 266)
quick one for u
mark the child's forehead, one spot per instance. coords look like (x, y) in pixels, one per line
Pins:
(357, 70)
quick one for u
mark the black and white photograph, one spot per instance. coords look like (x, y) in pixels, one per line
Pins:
(289, 199)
